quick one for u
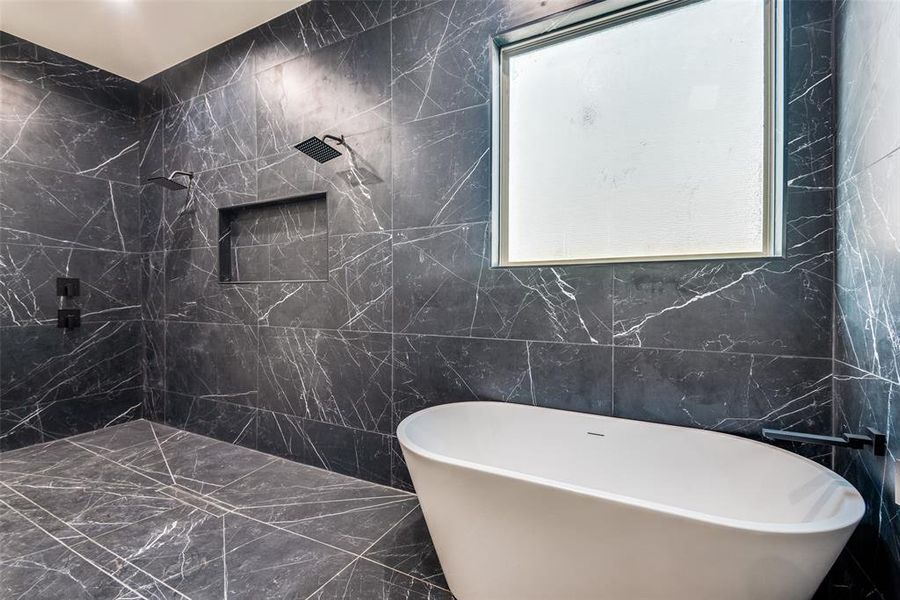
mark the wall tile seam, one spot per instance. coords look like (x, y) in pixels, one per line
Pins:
(833, 72)
(485, 104)
(865, 372)
(253, 73)
(124, 112)
(392, 459)
(146, 88)
(130, 112)
(612, 352)
(393, 433)
(75, 173)
(309, 51)
(239, 284)
(867, 168)
(84, 397)
(392, 124)
(73, 247)
(195, 98)
(260, 409)
(95, 324)
(423, 6)
(127, 111)
(85, 319)
(598, 266)
(146, 85)
(197, 174)
(249, 324)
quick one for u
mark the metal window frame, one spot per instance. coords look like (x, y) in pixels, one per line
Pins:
(605, 14)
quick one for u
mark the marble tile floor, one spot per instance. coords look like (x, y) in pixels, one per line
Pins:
(142, 510)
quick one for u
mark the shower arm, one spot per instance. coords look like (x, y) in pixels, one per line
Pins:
(339, 140)
(876, 439)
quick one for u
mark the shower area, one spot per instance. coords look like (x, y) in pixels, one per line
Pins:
(224, 286)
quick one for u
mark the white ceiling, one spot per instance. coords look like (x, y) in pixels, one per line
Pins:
(135, 38)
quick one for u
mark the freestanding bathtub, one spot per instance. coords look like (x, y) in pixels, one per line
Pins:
(534, 503)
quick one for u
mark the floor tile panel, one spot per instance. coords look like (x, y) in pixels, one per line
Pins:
(146, 511)
(365, 580)
(407, 547)
(68, 461)
(197, 463)
(335, 509)
(122, 437)
(207, 556)
(92, 507)
(35, 566)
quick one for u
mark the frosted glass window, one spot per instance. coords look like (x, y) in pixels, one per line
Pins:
(640, 138)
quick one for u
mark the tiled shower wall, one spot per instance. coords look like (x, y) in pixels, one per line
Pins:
(867, 316)
(412, 314)
(68, 207)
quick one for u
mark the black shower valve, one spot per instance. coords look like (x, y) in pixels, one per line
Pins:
(68, 318)
(853, 441)
(68, 287)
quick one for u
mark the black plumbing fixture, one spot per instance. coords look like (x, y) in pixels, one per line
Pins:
(169, 182)
(68, 318)
(68, 287)
(318, 150)
(876, 439)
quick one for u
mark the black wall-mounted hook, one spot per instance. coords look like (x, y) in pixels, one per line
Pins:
(876, 439)
(68, 287)
(68, 318)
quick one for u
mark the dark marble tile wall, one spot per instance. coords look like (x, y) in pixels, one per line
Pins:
(411, 313)
(867, 316)
(68, 207)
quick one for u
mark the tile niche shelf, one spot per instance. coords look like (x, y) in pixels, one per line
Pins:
(278, 240)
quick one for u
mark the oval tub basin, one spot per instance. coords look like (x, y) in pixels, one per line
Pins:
(534, 503)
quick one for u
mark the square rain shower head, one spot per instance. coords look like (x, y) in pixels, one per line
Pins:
(317, 149)
(168, 183)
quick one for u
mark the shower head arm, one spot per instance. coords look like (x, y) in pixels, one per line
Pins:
(189, 175)
(339, 140)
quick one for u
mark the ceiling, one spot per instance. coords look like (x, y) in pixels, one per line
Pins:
(135, 38)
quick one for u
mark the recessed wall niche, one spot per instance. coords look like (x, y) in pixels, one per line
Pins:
(275, 240)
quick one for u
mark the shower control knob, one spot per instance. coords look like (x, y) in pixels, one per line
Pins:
(68, 318)
(68, 287)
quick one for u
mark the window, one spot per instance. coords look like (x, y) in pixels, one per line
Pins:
(649, 133)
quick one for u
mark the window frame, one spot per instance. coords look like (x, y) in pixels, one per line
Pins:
(608, 13)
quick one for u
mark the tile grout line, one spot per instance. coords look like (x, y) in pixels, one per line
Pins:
(332, 578)
(235, 511)
(224, 561)
(496, 339)
(86, 538)
(390, 529)
(393, 424)
(410, 575)
(207, 495)
(357, 556)
(273, 457)
(161, 453)
(73, 551)
(612, 352)
(868, 373)
(75, 173)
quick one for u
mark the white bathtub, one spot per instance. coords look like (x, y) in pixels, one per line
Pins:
(525, 502)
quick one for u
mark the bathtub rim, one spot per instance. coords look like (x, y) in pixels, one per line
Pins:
(846, 517)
